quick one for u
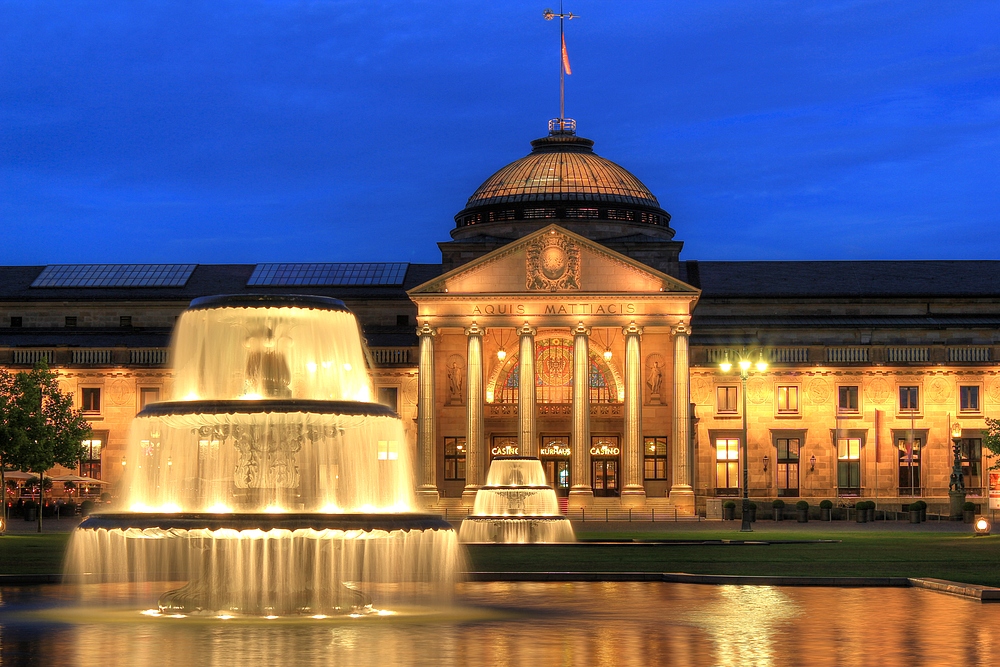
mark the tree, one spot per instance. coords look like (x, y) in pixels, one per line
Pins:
(41, 426)
(991, 440)
(10, 438)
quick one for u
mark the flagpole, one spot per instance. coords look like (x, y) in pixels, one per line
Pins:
(562, 66)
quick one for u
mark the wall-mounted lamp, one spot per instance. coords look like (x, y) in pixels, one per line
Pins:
(812, 462)
(123, 461)
(766, 459)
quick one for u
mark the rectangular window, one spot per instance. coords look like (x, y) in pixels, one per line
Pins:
(125, 321)
(90, 462)
(788, 466)
(655, 462)
(16, 322)
(402, 320)
(148, 395)
(726, 397)
(727, 466)
(454, 458)
(389, 397)
(909, 399)
(909, 466)
(70, 321)
(847, 398)
(388, 450)
(972, 465)
(849, 466)
(90, 400)
(788, 400)
(968, 397)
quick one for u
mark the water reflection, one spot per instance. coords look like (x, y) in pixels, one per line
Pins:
(529, 624)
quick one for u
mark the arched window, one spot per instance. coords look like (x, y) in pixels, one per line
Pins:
(554, 376)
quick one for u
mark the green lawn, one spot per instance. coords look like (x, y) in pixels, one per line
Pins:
(958, 557)
(32, 554)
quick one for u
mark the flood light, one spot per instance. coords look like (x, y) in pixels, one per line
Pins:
(982, 526)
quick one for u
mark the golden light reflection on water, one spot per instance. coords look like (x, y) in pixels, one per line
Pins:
(535, 624)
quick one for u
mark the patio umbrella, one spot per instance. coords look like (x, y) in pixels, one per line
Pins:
(17, 474)
(77, 479)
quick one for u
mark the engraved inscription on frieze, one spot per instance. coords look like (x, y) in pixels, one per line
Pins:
(553, 264)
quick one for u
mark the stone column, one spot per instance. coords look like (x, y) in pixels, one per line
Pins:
(527, 422)
(427, 491)
(633, 491)
(682, 485)
(581, 494)
(475, 427)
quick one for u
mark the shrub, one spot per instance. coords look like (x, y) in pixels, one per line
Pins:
(105, 497)
(802, 505)
(751, 505)
(778, 504)
(864, 505)
(919, 505)
(969, 507)
(729, 504)
(86, 507)
(826, 504)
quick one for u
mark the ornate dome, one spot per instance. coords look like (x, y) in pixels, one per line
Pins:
(561, 180)
(562, 167)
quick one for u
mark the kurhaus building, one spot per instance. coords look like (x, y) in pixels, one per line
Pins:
(563, 323)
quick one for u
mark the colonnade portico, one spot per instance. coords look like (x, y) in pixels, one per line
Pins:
(601, 359)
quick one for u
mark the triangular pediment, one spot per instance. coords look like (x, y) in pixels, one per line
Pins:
(553, 260)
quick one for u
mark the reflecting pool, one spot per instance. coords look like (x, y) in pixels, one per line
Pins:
(518, 624)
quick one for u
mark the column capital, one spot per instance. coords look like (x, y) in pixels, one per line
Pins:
(681, 329)
(527, 330)
(426, 330)
(475, 330)
(580, 330)
(632, 329)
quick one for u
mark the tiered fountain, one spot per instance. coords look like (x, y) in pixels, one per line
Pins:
(271, 483)
(516, 506)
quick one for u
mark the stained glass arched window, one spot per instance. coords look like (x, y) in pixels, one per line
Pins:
(554, 376)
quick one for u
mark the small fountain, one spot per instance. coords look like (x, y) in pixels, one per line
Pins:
(516, 506)
(271, 483)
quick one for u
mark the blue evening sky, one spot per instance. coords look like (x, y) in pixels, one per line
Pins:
(342, 130)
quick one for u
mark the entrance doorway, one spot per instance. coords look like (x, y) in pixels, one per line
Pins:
(605, 454)
(605, 477)
(555, 456)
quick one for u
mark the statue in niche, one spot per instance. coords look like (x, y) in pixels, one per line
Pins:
(655, 380)
(455, 381)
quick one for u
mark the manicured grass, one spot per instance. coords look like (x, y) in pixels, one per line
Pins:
(958, 557)
(32, 554)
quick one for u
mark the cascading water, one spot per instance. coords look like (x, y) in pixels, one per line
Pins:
(516, 506)
(270, 483)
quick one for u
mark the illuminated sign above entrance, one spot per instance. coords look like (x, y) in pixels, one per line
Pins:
(605, 450)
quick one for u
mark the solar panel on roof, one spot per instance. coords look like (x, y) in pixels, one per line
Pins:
(114, 275)
(329, 274)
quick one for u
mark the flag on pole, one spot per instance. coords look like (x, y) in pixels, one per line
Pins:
(565, 57)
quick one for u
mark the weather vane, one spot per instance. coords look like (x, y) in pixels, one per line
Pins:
(564, 67)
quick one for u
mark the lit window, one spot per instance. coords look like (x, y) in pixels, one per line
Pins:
(726, 397)
(909, 466)
(90, 462)
(849, 466)
(388, 450)
(454, 458)
(788, 400)
(727, 464)
(655, 461)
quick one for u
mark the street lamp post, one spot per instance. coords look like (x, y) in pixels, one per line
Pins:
(744, 364)
(956, 487)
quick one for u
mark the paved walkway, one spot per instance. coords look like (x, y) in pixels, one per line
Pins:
(731, 529)
(18, 526)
